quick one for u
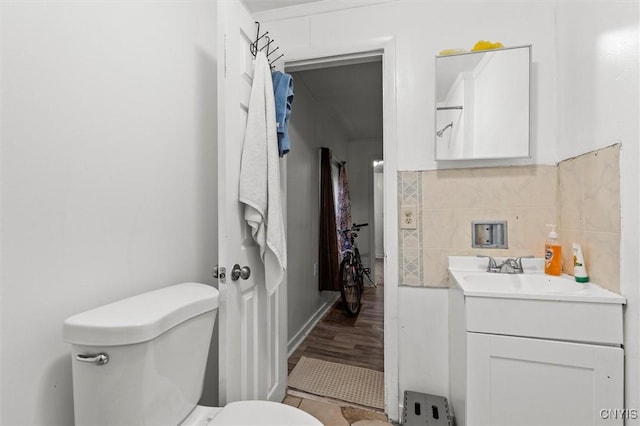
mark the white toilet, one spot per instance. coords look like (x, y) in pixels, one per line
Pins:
(141, 361)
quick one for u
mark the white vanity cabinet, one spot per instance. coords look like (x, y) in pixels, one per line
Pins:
(520, 381)
(506, 369)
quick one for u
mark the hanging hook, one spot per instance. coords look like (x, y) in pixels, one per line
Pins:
(272, 51)
(267, 45)
(274, 61)
(253, 47)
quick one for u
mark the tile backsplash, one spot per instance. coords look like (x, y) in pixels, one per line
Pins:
(580, 195)
(410, 240)
(589, 213)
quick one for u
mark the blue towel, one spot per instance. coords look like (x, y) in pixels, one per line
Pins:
(283, 95)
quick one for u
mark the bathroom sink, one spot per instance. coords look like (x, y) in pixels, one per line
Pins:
(532, 286)
(533, 304)
(529, 348)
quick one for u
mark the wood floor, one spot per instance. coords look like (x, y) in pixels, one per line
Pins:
(353, 341)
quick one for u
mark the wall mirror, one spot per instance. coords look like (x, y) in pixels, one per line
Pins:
(482, 104)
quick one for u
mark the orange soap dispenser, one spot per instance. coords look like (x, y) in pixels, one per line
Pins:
(552, 253)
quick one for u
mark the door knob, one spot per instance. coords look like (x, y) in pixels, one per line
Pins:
(238, 272)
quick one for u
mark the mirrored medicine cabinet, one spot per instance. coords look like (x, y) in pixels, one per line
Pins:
(482, 104)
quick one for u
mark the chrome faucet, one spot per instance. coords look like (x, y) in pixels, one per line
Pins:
(492, 267)
(509, 266)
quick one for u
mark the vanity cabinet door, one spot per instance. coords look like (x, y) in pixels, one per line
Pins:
(520, 381)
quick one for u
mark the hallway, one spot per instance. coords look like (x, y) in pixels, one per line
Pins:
(355, 341)
(352, 341)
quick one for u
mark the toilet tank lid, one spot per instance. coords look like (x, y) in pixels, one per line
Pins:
(140, 318)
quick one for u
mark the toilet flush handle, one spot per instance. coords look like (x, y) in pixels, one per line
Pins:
(97, 359)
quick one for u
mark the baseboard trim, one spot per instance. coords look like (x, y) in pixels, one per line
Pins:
(299, 337)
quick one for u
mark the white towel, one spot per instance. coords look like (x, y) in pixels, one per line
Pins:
(260, 176)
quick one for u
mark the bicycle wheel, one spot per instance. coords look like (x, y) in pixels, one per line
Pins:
(350, 289)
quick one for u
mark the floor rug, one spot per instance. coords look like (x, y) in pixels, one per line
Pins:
(359, 385)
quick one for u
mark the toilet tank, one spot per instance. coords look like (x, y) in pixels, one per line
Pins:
(157, 345)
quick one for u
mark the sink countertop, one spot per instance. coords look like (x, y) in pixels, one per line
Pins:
(469, 274)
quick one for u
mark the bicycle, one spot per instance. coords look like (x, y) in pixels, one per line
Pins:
(352, 272)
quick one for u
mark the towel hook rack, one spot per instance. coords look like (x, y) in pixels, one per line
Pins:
(263, 41)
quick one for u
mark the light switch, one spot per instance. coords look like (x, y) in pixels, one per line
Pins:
(408, 217)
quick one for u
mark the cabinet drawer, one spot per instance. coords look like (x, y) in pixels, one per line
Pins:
(547, 319)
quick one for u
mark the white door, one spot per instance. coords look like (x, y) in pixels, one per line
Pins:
(252, 325)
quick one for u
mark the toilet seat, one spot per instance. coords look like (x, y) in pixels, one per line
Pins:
(254, 413)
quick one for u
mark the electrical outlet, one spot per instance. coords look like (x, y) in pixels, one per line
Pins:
(408, 217)
(315, 269)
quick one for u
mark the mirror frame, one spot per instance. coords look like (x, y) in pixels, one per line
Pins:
(492, 157)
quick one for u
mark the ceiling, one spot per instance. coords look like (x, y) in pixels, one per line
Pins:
(260, 5)
(351, 94)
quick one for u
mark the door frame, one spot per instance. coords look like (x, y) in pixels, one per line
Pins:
(372, 214)
(310, 57)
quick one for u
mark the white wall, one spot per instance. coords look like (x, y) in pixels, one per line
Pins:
(108, 174)
(422, 29)
(361, 154)
(598, 74)
(424, 342)
(309, 129)
(585, 96)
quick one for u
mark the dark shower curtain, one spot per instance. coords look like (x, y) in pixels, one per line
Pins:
(328, 267)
